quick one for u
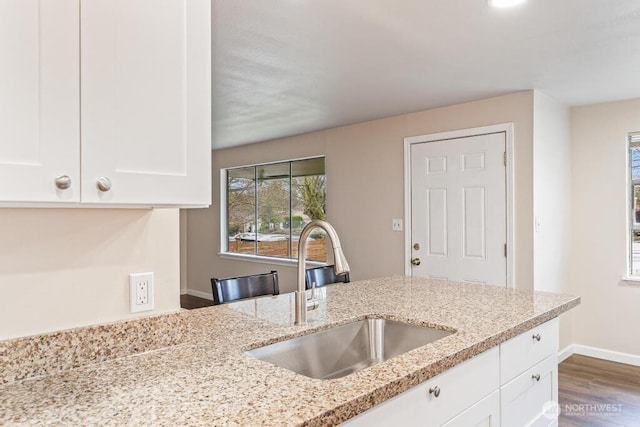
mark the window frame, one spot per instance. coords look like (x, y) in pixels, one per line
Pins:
(224, 241)
(633, 138)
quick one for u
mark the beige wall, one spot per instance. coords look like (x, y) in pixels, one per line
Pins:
(552, 201)
(609, 315)
(183, 251)
(63, 268)
(364, 165)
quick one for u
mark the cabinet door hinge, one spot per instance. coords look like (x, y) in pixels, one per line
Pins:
(505, 158)
(505, 250)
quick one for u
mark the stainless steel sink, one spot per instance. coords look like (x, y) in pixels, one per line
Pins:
(345, 349)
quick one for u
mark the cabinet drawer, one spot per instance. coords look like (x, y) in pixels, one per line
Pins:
(524, 400)
(485, 413)
(459, 388)
(527, 349)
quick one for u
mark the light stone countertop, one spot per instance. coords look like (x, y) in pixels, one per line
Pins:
(208, 380)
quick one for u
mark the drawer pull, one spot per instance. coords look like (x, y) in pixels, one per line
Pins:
(537, 337)
(435, 391)
(536, 377)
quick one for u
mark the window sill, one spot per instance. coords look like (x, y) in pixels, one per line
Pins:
(632, 280)
(270, 260)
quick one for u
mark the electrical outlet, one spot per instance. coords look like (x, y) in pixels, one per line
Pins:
(396, 224)
(141, 292)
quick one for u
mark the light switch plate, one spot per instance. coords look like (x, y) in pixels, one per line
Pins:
(396, 224)
(141, 292)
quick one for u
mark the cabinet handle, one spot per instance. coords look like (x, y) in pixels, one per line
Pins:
(63, 182)
(537, 337)
(536, 377)
(435, 391)
(104, 184)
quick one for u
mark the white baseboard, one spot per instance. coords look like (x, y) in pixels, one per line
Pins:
(566, 352)
(614, 356)
(600, 353)
(183, 291)
(206, 295)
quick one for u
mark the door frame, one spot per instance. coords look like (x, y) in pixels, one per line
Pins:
(507, 129)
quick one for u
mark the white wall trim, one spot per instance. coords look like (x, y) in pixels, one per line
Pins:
(205, 295)
(507, 128)
(599, 353)
(407, 204)
(224, 241)
(613, 356)
(566, 352)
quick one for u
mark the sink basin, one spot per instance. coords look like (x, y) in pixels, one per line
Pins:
(345, 349)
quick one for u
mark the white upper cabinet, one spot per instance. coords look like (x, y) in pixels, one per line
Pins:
(39, 101)
(146, 88)
(115, 94)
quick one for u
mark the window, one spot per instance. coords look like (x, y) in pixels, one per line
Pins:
(268, 205)
(634, 215)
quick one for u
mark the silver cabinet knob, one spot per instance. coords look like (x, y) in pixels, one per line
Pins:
(63, 182)
(536, 377)
(103, 183)
(537, 337)
(435, 391)
(415, 261)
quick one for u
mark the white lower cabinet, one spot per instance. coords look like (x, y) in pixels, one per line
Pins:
(529, 377)
(485, 413)
(530, 399)
(525, 350)
(512, 385)
(441, 398)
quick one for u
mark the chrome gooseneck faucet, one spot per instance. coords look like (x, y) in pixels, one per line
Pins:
(341, 266)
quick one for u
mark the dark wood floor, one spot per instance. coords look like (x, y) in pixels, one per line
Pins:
(591, 392)
(190, 302)
(595, 392)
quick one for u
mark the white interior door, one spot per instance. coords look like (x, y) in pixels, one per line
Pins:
(458, 209)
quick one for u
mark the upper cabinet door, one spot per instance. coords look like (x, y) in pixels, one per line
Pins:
(146, 101)
(39, 101)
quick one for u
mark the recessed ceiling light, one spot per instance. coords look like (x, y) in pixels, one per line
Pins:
(505, 3)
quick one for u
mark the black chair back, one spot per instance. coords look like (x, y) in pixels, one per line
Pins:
(236, 288)
(324, 276)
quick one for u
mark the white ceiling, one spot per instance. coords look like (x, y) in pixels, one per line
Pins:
(285, 67)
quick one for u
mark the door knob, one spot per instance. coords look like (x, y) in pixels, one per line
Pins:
(415, 261)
